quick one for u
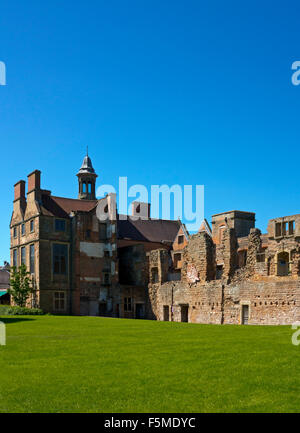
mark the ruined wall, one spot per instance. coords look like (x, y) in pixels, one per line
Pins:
(270, 302)
(228, 253)
(204, 301)
(199, 263)
(269, 299)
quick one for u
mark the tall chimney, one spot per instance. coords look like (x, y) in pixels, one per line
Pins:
(34, 181)
(19, 199)
(19, 189)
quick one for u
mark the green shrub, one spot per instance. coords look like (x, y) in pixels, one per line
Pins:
(8, 310)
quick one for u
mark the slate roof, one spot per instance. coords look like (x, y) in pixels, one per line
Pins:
(152, 230)
(61, 207)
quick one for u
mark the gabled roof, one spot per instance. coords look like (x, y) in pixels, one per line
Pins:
(151, 230)
(205, 227)
(62, 207)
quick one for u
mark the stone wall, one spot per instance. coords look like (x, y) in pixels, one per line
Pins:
(199, 263)
(255, 287)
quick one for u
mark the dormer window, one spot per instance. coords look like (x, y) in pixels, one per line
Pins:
(180, 239)
(23, 229)
(31, 225)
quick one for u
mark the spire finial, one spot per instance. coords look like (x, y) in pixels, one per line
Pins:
(87, 150)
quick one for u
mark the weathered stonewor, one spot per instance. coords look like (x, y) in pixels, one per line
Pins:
(254, 248)
(158, 274)
(199, 262)
(229, 252)
(158, 266)
(295, 268)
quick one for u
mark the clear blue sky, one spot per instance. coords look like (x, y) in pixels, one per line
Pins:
(164, 92)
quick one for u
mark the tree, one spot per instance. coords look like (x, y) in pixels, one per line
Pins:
(20, 285)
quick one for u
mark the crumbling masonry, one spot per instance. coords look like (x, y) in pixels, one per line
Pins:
(232, 279)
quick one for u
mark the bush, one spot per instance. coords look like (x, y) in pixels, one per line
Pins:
(8, 310)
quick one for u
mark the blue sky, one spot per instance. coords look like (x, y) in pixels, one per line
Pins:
(163, 92)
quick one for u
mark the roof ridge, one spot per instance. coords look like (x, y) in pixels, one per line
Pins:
(75, 199)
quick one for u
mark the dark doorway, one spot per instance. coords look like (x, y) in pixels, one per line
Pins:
(219, 272)
(102, 309)
(245, 314)
(5, 299)
(184, 313)
(166, 313)
(117, 310)
(139, 311)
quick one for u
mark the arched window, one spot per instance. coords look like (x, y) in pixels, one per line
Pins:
(89, 187)
(83, 187)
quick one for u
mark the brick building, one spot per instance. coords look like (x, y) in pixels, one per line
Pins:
(149, 268)
(80, 265)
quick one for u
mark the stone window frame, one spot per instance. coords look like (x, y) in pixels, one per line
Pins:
(261, 255)
(284, 232)
(59, 299)
(23, 248)
(128, 304)
(15, 257)
(181, 237)
(241, 310)
(15, 232)
(66, 275)
(23, 229)
(176, 258)
(31, 226)
(32, 263)
(289, 263)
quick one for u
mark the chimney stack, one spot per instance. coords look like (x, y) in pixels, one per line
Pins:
(19, 198)
(140, 210)
(34, 181)
(19, 189)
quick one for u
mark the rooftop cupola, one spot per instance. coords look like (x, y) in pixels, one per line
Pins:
(87, 180)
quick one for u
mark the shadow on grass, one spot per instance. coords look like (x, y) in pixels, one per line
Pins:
(14, 319)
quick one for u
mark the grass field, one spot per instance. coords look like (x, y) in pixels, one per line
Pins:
(93, 364)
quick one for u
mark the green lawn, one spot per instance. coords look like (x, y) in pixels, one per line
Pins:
(92, 364)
